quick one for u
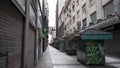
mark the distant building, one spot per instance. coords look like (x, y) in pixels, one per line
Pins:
(53, 32)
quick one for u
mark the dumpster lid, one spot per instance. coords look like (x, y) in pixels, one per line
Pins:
(95, 34)
(94, 31)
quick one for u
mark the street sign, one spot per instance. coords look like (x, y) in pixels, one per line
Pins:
(45, 30)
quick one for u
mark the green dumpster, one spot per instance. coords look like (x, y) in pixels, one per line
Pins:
(91, 46)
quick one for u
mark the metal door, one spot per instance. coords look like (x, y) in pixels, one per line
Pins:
(10, 37)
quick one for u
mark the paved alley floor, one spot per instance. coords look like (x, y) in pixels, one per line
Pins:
(53, 58)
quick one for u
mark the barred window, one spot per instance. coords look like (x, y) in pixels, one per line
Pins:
(84, 22)
(78, 25)
(108, 8)
(93, 17)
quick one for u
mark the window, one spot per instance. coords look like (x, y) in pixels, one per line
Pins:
(70, 22)
(65, 27)
(70, 11)
(78, 25)
(77, 1)
(84, 23)
(32, 15)
(84, 8)
(108, 9)
(73, 6)
(93, 17)
(92, 2)
(64, 11)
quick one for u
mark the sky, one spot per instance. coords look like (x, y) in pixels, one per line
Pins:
(52, 9)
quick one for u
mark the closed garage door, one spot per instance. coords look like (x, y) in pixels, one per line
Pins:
(11, 22)
(31, 47)
(10, 40)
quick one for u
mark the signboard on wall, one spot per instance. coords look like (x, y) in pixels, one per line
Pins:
(45, 30)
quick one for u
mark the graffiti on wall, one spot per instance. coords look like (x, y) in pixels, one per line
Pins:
(95, 52)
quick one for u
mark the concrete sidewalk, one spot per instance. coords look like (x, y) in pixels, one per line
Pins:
(53, 58)
(45, 61)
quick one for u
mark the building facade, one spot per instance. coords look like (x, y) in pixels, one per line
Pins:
(79, 15)
(21, 37)
(45, 24)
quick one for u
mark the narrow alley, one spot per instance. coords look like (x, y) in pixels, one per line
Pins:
(59, 33)
(53, 58)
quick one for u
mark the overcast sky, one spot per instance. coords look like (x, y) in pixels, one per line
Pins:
(52, 9)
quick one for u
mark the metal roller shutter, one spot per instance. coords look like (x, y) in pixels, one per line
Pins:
(10, 41)
(31, 48)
